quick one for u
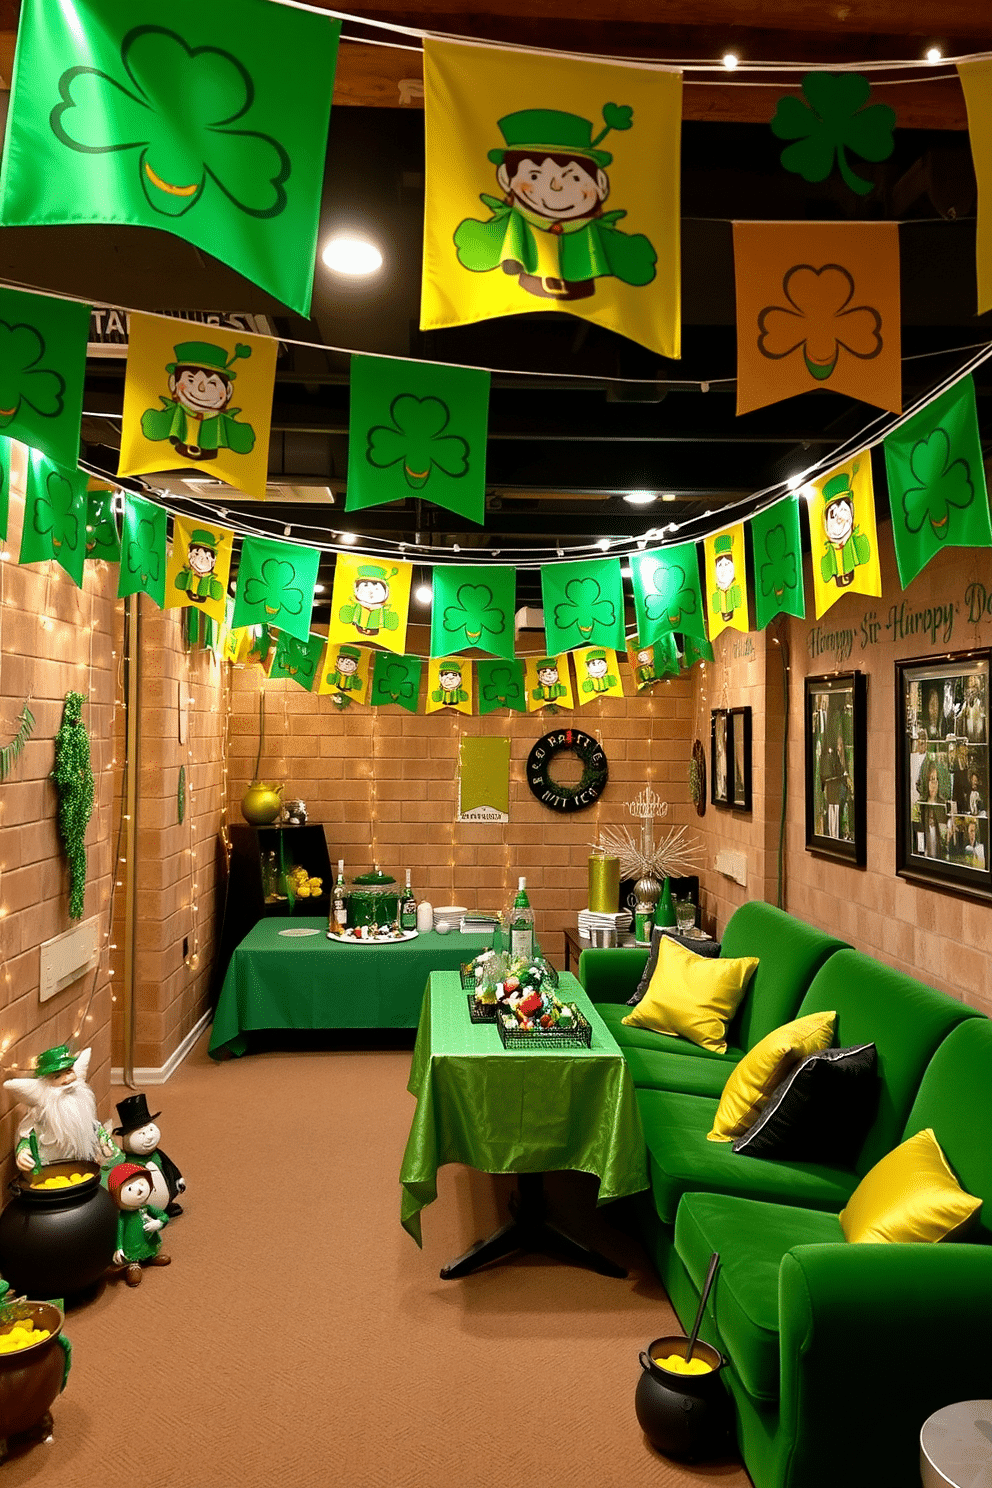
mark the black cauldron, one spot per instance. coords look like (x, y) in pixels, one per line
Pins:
(55, 1242)
(683, 1415)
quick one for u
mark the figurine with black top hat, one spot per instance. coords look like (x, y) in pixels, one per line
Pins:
(139, 1137)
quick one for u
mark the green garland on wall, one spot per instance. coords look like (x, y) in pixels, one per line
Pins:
(73, 777)
(10, 752)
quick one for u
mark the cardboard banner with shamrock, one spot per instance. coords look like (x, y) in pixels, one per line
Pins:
(817, 307)
(667, 595)
(449, 685)
(207, 121)
(527, 211)
(976, 81)
(842, 537)
(199, 567)
(396, 679)
(4, 486)
(777, 554)
(417, 429)
(472, 609)
(370, 601)
(345, 672)
(726, 581)
(143, 543)
(102, 541)
(500, 685)
(597, 673)
(583, 604)
(298, 660)
(937, 492)
(54, 516)
(42, 369)
(275, 585)
(650, 664)
(548, 682)
(178, 403)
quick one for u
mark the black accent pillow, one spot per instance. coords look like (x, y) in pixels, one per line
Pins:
(709, 948)
(821, 1111)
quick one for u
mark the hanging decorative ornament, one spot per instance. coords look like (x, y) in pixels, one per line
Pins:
(831, 119)
(10, 752)
(697, 778)
(73, 777)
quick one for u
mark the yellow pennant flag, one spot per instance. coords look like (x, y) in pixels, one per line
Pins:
(237, 644)
(552, 184)
(842, 536)
(817, 307)
(976, 80)
(199, 567)
(370, 601)
(203, 404)
(548, 680)
(726, 581)
(345, 671)
(597, 673)
(449, 685)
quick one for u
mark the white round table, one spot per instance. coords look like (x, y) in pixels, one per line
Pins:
(956, 1446)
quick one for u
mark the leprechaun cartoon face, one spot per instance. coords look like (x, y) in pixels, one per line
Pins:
(724, 571)
(450, 681)
(201, 561)
(644, 657)
(596, 666)
(838, 520)
(346, 664)
(371, 593)
(559, 186)
(200, 390)
(547, 676)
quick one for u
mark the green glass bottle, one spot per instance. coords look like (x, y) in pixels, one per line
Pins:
(664, 915)
(522, 924)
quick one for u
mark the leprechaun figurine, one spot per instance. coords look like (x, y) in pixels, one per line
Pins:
(726, 597)
(196, 418)
(549, 687)
(139, 1223)
(370, 611)
(197, 579)
(61, 1124)
(139, 1137)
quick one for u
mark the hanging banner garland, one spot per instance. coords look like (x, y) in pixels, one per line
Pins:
(199, 567)
(829, 121)
(345, 672)
(726, 581)
(370, 601)
(54, 516)
(565, 798)
(650, 664)
(500, 685)
(667, 596)
(777, 553)
(693, 650)
(597, 673)
(102, 541)
(143, 544)
(298, 660)
(472, 609)
(842, 536)
(4, 486)
(396, 679)
(583, 604)
(42, 370)
(449, 685)
(548, 682)
(276, 585)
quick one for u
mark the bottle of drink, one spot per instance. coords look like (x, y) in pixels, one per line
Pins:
(522, 924)
(408, 907)
(339, 903)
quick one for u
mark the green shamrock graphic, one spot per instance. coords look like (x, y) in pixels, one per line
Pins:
(474, 613)
(274, 589)
(393, 683)
(832, 121)
(181, 111)
(584, 607)
(673, 596)
(22, 380)
(503, 687)
(53, 513)
(942, 485)
(143, 557)
(779, 573)
(101, 529)
(294, 659)
(416, 436)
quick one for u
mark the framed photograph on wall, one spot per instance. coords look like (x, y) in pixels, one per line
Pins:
(942, 771)
(834, 733)
(740, 753)
(721, 782)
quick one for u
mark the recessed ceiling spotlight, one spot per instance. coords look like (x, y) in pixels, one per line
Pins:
(673, 526)
(729, 60)
(423, 594)
(350, 255)
(934, 54)
(640, 498)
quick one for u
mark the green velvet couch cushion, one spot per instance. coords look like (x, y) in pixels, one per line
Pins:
(751, 1239)
(613, 1015)
(657, 1070)
(955, 1098)
(790, 953)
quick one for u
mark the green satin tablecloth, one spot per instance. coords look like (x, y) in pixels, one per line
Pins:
(503, 1112)
(286, 981)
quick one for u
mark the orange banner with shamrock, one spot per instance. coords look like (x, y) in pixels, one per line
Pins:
(817, 307)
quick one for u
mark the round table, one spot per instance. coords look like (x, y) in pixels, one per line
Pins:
(956, 1446)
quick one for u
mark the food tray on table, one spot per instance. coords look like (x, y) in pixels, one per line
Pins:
(480, 1012)
(577, 1037)
(391, 937)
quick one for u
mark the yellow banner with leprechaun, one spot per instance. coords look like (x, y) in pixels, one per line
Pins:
(597, 673)
(842, 536)
(449, 685)
(199, 567)
(345, 672)
(548, 680)
(370, 601)
(726, 581)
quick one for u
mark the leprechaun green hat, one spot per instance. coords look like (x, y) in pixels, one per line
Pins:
(596, 655)
(541, 132)
(206, 355)
(723, 544)
(838, 485)
(350, 651)
(449, 666)
(373, 571)
(548, 664)
(201, 538)
(55, 1061)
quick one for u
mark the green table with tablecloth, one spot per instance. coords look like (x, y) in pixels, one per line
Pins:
(525, 1112)
(287, 980)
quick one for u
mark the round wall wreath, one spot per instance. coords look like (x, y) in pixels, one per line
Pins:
(595, 770)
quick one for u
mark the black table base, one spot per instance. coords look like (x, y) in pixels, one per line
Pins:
(530, 1230)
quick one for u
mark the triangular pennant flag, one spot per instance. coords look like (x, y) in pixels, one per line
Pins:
(298, 660)
(597, 673)
(396, 679)
(583, 604)
(370, 601)
(842, 536)
(199, 567)
(501, 685)
(345, 671)
(42, 369)
(275, 585)
(726, 581)
(209, 123)
(449, 684)
(4, 486)
(204, 404)
(777, 554)
(650, 664)
(472, 609)
(976, 81)
(548, 683)
(693, 650)
(143, 544)
(667, 596)
(101, 525)
(417, 429)
(937, 492)
(54, 516)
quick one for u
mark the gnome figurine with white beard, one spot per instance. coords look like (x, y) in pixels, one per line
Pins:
(61, 1113)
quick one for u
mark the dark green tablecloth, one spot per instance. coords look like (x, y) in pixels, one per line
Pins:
(502, 1112)
(288, 981)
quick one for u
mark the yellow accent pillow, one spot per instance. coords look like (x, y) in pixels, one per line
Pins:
(763, 1068)
(692, 996)
(910, 1194)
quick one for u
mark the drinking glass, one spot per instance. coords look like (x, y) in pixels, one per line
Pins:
(685, 915)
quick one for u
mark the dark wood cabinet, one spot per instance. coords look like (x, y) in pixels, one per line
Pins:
(254, 851)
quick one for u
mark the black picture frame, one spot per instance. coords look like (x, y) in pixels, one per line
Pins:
(942, 772)
(740, 759)
(721, 757)
(835, 724)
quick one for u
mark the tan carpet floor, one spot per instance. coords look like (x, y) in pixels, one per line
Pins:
(300, 1337)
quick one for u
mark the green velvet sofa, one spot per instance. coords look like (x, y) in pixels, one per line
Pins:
(838, 1352)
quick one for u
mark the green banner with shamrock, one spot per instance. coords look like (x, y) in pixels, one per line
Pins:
(937, 491)
(500, 684)
(396, 679)
(667, 596)
(417, 429)
(206, 121)
(583, 604)
(777, 552)
(298, 660)
(143, 539)
(4, 486)
(42, 369)
(275, 585)
(54, 516)
(102, 540)
(694, 649)
(472, 609)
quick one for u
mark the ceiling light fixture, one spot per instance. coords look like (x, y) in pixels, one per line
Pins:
(423, 594)
(640, 498)
(626, 571)
(729, 61)
(673, 526)
(352, 256)
(348, 537)
(669, 496)
(934, 55)
(603, 544)
(318, 588)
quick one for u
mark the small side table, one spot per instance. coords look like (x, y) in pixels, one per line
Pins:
(956, 1446)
